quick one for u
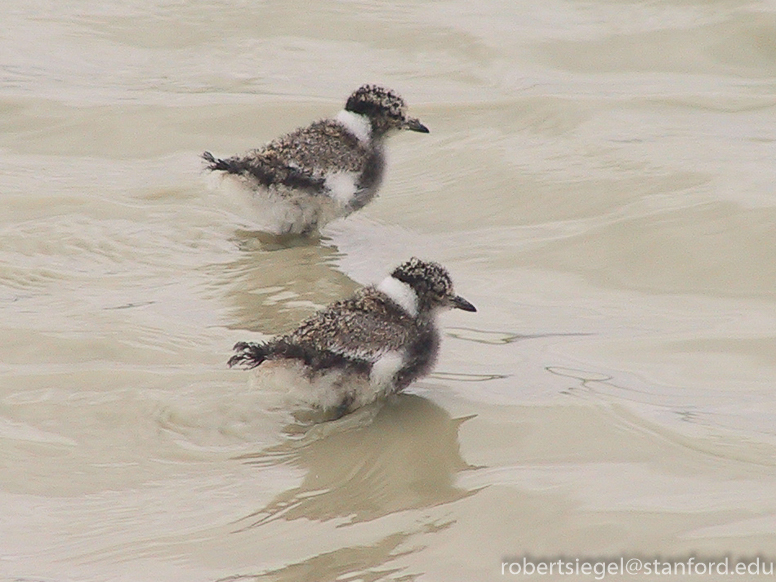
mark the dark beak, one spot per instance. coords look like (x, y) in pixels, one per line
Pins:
(414, 124)
(459, 302)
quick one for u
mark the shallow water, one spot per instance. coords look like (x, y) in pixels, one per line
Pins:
(599, 181)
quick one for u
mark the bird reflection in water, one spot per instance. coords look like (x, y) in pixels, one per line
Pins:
(387, 457)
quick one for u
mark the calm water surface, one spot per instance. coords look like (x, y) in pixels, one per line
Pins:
(599, 179)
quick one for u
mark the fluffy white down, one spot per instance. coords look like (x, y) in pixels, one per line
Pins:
(401, 293)
(384, 369)
(342, 186)
(290, 378)
(258, 207)
(289, 383)
(358, 125)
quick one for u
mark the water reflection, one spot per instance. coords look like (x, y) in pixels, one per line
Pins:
(275, 283)
(367, 562)
(401, 455)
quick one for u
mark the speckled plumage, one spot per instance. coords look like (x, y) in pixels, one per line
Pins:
(358, 337)
(301, 173)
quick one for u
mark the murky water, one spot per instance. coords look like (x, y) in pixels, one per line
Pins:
(599, 179)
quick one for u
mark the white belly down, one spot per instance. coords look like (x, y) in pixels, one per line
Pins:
(281, 211)
(334, 389)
